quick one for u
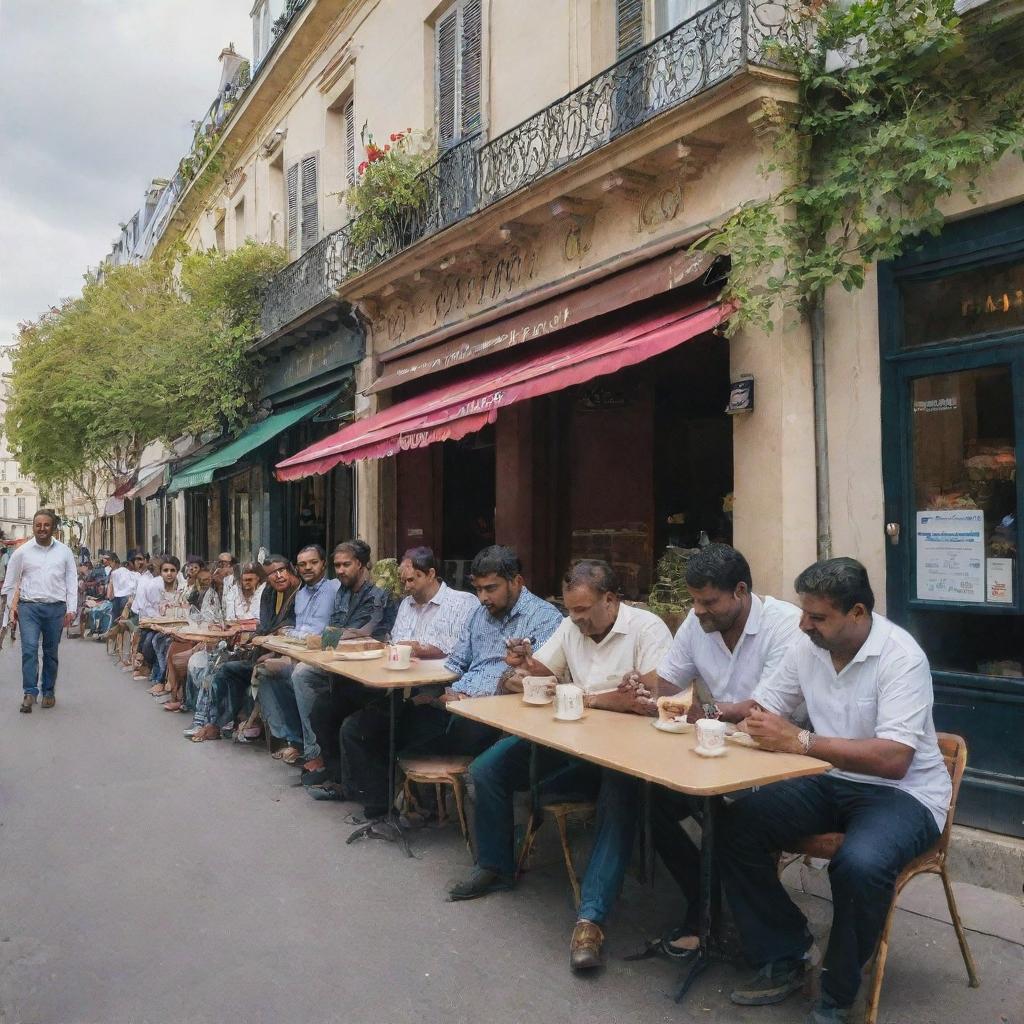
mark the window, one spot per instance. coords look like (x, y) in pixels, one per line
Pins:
(260, 31)
(239, 222)
(21, 508)
(629, 26)
(303, 206)
(457, 40)
(6, 508)
(633, 27)
(348, 117)
(3, 469)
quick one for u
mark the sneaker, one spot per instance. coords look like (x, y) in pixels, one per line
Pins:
(26, 704)
(48, 700)
(480, 883)
(825, 1011)
(773, 983)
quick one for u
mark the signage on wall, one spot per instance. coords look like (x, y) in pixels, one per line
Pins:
(741, 396)
(951, 555)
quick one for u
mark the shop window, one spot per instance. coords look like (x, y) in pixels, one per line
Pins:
(980, 301)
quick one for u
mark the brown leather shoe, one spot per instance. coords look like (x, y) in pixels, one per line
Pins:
(585, 947)
(48, 700)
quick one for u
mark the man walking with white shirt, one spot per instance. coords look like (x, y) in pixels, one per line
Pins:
(43, 578)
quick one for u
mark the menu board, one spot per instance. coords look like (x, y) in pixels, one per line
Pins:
(951, 555)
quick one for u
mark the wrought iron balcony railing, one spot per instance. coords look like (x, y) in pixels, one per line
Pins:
(714, 45)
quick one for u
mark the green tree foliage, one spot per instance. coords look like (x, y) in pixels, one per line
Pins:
(148, 353)
(899, 106)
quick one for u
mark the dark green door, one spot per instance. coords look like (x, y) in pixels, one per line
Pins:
(952, 317)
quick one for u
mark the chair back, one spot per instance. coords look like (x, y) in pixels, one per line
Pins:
(954, 754)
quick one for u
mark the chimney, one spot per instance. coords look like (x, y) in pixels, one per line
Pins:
(230, 61)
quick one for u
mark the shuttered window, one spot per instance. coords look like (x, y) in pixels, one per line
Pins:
(459, 65)
(310, 203)
(292, 207)
(629, 26)
(348, 117)
(302, 195)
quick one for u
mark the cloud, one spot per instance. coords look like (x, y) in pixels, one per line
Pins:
(96, 100)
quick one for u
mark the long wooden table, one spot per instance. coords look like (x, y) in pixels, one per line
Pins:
(631, 745)
(372, 672)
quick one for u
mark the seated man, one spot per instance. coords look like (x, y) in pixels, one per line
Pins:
(505, 610)
(431, 616)
(225, 694)
(359, 609)
(314, 603)
(602, 642)
(731, 640)
(868, 690)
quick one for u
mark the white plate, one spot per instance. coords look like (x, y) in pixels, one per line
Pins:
(676, 727)
(562, 718)
(717, 752)
(743, 739)
(539, 703)
(357, 655)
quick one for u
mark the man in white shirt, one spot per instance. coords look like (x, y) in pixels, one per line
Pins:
(431, 616)
(731, 641)
(601, 642)
(44, 579)
(868, 690)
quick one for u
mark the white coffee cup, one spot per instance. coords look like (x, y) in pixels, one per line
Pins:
(710, 736)
(535, 690)
(399, 656)
(568, 702)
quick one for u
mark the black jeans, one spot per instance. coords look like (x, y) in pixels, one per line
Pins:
(420, 729)
(677, 851)
(884, 828)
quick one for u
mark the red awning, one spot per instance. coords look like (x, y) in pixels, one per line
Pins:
(459, 408)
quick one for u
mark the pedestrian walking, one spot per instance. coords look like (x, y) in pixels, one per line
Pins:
(43, 578)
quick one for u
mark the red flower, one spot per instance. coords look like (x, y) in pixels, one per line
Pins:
(362, 167)
(387, 149)
(393, 137)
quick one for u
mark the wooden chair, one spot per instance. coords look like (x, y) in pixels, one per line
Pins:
(438, 771)
(561, 813)
(932, 862)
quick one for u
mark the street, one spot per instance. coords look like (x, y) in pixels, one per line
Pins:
(144, 880)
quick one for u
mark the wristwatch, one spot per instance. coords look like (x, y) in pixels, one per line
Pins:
(804, 738)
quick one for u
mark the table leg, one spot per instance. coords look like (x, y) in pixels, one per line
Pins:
(648, 861)
(709, 897)
(387, 828)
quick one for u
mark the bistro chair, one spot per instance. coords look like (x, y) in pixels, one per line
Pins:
(438, 771)
(931, 862)
(560, 812)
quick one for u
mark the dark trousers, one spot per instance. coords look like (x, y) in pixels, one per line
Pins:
(40, 621)
(884, 828)
(420, 729)
(231, 690)
(146, 641)
(677, 851)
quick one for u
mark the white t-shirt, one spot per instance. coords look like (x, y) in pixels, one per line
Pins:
(124, 581)
(637, 640)
(731, 676)
(238, 606)
(884, 693)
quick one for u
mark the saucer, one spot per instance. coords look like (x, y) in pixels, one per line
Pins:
(562, 718)
(676, 727)
(717, 752)
(539, 703)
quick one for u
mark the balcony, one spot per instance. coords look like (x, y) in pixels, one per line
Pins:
(716, 44)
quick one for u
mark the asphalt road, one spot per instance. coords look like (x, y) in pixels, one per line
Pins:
(146, 880)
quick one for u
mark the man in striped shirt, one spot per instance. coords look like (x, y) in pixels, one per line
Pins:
(432, 616)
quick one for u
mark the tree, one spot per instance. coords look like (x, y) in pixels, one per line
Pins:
(900, 105)
(148, 353)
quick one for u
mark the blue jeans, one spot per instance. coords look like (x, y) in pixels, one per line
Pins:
(277, 701)
(505, 768)
(45, 621)
(885, 829)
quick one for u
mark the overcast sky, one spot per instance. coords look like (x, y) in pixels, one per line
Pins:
(96, 97)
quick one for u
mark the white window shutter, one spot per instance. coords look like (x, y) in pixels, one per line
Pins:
(471, 66)
(310, 203)
(292, 204)
(348, 115)
(629, 26)
(446, 35)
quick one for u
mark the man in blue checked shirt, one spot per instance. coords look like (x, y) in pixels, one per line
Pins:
(507, 612)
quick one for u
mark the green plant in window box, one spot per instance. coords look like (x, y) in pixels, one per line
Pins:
(390, 183)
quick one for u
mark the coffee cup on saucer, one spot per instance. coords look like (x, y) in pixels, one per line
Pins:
(710, 737)
(536, 689)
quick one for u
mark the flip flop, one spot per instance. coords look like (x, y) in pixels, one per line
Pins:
(290, 755)
(662, 947)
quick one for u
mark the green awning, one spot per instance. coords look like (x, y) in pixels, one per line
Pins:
(201, 472)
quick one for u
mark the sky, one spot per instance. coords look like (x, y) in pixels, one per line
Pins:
(96, 100)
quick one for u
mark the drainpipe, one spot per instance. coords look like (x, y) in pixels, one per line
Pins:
(817, 320)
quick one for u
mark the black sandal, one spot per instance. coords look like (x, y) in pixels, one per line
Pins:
(662, 947)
